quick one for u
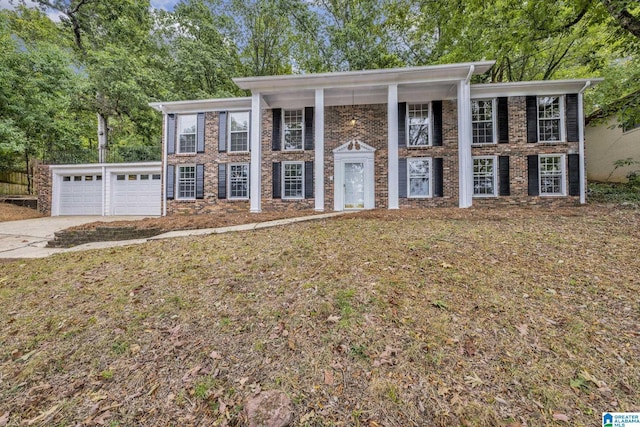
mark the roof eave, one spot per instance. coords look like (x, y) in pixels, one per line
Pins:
(200, 105)
(445, 72)
(539, 87)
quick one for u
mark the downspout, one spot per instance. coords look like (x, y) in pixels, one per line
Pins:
(163, 166)
(581, 153)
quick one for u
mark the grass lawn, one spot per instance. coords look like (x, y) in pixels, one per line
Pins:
(440, 317)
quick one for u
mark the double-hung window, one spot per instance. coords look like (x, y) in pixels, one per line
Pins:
(186, 182)
(419, 121)
(552, 175)
(484, 176)
(419, 177)
(239, 181)
(482, 119)
(292, 180)
(550, 119)
(187, 125)
(293, 125)
(239, 131)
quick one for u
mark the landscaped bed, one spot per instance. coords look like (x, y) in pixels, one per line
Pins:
(478, 317)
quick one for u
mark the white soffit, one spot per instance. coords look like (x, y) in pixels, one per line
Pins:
(540, 87)
(200, 105)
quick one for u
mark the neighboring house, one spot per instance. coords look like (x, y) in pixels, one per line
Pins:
(608, 142)
(391, 138)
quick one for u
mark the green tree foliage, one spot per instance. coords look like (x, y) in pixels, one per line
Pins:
(37, 86)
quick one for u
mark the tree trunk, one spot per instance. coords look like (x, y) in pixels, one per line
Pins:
(103, 138)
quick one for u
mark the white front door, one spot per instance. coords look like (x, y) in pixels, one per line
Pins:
(354, 185)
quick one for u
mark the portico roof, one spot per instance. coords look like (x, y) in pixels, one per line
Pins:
(363, 87)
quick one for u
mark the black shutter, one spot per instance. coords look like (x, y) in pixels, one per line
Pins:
(574, 175)
(222, 132)
(438, 177)
(170, 182)
(503, 120)
(275, 180)
(308, 180)
(222, 181)
(437, 123)
(199, 181)
(402, 178)
(276, 136)
(532, 119)
(308, 128)
(171, 133)
(572, 117)
(402, 124)
(200, 133)
(534, 186)
(504, 184)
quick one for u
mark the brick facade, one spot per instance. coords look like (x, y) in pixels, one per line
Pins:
(44, 184)
(371, 128)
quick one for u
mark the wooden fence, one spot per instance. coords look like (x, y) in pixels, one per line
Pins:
(14, 184)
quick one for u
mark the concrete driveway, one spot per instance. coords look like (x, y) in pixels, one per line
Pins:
(28, 238)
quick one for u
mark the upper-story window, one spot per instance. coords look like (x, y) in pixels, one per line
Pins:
(419, 118)
(482, 119)
(187, 125)
(239, 131)
(293, 125)
(550, 119)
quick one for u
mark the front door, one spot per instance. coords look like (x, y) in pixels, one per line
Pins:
(354, 185)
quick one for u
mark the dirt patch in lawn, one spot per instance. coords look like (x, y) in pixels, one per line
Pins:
(9, 212)
(518, 317)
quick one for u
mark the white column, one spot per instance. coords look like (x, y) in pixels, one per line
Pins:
(319, 151)
(583, 198)
(465, 161)
(163, 171)
(392, 135)
(256, 154)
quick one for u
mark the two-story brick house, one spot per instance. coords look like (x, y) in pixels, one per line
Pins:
(392, 138)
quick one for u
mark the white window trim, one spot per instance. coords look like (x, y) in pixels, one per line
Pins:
(177, 190)
(282, 181)
(563, 132)
(495, 175)
(229, 196)
(408, 125)
(408, 172)
(178, 133)
(563, 177)
(229, 131)
(282, 144)
(494, 122)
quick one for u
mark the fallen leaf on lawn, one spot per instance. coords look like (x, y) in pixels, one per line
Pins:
(4, 419)
(215, 355)
(523, 329)
(328, 377)
(561, 417)
(333, 319)
(587, 376)
(307, 417)
(44, 416)
(473, 380)
(446, 265)
(28, 356)
(243, 380)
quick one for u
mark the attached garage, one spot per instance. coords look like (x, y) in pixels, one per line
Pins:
(111, 189)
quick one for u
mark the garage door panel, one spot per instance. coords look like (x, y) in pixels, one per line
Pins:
(81, 195)
(135, 196)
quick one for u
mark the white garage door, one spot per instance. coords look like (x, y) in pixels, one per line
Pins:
(136, 194)
(81, 195)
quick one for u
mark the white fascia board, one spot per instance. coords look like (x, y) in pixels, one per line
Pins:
(202, 105)
(90, 168)
(541, 87)
(383, 77)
